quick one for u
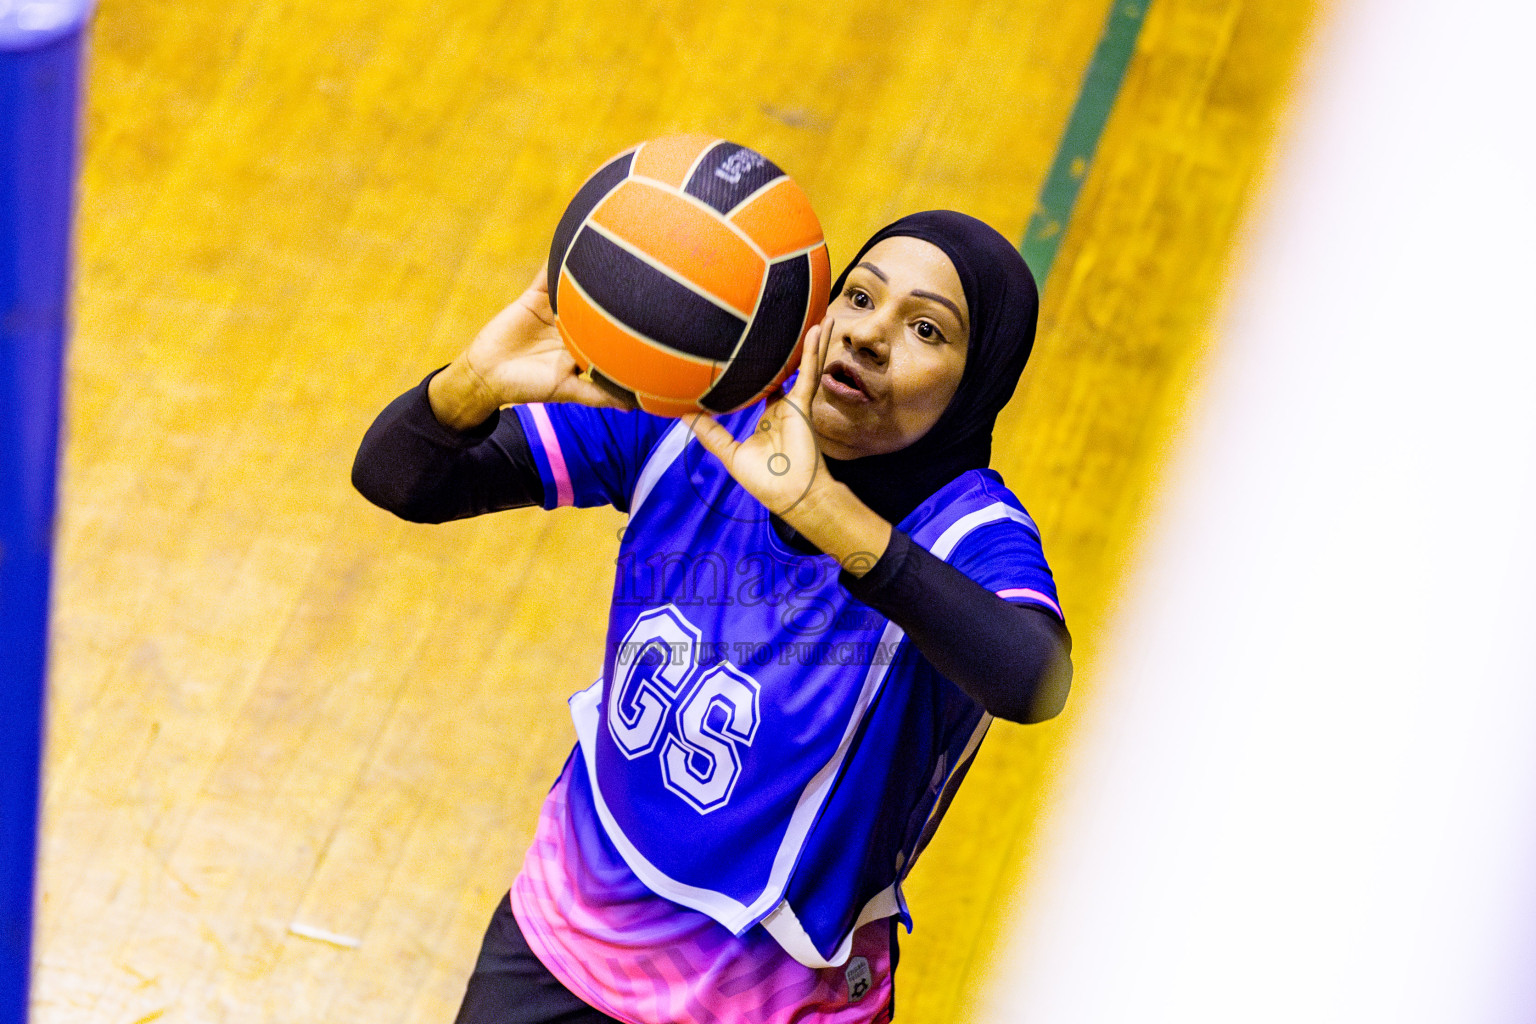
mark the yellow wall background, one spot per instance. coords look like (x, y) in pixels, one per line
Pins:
(273, 703)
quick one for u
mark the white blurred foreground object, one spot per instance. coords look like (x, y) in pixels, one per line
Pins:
(1306, 788)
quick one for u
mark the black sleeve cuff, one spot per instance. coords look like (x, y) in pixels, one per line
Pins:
(871, 586)
(425, 422)
(1012, 660)
(425, 472)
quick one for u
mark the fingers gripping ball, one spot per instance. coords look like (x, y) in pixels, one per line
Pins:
(686, 272)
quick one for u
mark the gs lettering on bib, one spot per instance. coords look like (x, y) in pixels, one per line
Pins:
(707, 716)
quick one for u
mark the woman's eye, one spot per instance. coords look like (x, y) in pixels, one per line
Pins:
(858, 298)
(928, 332)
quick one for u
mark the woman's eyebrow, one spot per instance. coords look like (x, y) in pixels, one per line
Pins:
(876, 271)
(959, 318)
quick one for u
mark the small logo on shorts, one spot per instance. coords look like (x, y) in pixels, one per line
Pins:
(859, 978)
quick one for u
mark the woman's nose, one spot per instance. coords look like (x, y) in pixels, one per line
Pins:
(866, 336)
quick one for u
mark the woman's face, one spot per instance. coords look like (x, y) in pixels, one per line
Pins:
(896, 341)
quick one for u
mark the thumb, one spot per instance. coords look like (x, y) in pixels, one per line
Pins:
(715, 438)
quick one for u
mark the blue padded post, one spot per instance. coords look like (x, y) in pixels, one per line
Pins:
(40, 53)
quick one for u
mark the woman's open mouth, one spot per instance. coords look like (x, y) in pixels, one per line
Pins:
(843, 381)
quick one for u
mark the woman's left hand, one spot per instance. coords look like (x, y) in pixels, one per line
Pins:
(780, 463)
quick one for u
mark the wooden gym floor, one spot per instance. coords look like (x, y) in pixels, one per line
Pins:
(275, 705)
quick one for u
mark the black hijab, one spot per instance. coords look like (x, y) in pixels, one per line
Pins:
(1002, 305)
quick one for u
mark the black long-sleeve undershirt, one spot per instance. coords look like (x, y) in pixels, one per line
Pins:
(424, 472)
(1014, 660)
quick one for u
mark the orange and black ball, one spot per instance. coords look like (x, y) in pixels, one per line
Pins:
(686, 271)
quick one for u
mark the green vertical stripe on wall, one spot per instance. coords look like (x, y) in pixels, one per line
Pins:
(1074, 155)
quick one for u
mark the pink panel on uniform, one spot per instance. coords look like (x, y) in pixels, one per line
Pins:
(642, 959)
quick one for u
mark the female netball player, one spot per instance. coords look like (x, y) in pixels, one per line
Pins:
(821, 602)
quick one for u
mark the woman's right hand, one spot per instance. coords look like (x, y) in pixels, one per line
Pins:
(516, 358)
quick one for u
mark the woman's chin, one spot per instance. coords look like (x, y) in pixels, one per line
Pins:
(837, 434)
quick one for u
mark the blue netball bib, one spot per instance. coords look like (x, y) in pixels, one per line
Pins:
(741, 682)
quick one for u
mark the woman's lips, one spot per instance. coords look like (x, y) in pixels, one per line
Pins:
(843, 381)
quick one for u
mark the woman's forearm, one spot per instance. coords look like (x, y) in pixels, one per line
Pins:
(413, 465)
(1013, 660)
(831, 516)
